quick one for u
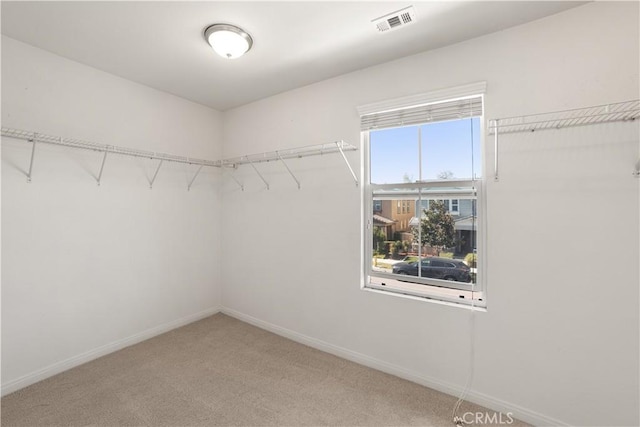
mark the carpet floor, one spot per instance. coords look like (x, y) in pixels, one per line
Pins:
(220, 371)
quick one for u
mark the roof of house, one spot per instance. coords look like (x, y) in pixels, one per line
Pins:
(382, 220)
(466, 223)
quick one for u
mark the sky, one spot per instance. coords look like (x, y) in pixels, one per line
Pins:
(446, 146)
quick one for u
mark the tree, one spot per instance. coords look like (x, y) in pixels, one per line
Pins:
(437, 227)
(398, 246)
(407, 178)
(445, 175)
(379, 236)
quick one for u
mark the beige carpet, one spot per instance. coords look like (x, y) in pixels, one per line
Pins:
(221, 371)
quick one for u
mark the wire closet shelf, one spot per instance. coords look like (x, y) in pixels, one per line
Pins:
(617, 112)
(294, 153)
(104, 148)
(281, 155)
(614, 112)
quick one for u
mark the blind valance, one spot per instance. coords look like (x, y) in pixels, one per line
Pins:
(436, 106)
(425, 113)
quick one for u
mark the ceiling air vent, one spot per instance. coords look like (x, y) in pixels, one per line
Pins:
(396, 19)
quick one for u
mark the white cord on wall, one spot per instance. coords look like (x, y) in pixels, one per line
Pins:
(456, 419)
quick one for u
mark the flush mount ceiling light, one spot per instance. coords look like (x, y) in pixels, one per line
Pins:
(228, 40)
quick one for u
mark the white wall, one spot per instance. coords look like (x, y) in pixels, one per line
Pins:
(88, 269)
(560, 341)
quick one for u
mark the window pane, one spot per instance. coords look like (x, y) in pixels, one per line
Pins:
(391, 229)
(423, 232)
(394, 155)
(451, 149)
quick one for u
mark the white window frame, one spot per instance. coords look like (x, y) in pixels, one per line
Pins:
(455, 293)
(457, 211)
(448, 204)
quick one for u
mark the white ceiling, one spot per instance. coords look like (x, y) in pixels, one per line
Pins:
(160, 44)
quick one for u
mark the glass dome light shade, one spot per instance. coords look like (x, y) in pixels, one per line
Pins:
(227, 40)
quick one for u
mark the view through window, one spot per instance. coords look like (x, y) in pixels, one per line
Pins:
(422, 207)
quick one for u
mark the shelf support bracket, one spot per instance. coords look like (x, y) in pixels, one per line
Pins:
(353, 174)
(33, 152)
(194, 177)
(104, 159)
(289, 170)
(636, 172)
(155, 175)
(495, 154)
(235, 179)
(258, 172)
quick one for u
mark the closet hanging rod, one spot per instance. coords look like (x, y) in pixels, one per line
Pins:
(86, 145)
(252, 159)
(293, 153)
(614, 112)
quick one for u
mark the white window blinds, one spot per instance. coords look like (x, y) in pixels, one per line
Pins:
(436, 112)
(446, 104)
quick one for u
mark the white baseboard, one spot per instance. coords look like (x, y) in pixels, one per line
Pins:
(487, 401)
(90, 355)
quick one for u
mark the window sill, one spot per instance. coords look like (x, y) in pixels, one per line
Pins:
(434, 294)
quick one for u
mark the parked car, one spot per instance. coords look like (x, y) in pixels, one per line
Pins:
(436, 268)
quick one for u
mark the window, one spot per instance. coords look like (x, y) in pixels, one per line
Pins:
(428, 156)
(452, 206)
(455, 207)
